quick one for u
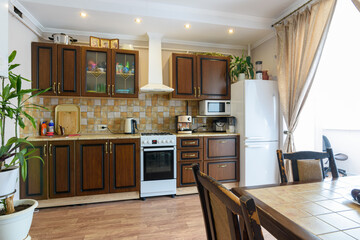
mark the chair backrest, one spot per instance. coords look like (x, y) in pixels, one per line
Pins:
(225, 215)
(326, 143)
(307, 165)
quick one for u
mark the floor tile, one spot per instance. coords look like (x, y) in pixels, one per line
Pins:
(338, 221)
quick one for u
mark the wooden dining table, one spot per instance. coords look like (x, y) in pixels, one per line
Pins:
(316, 210)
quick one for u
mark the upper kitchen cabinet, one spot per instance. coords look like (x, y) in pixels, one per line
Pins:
(213, 77)
(183, 67)
(95, 72)
(68, 74)
(44, 67)
(200, 77)
(56, 67)
(125, 74)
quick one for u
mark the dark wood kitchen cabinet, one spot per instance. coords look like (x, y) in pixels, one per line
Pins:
(56, 67)
(44, 67)
(92, 167)
(124, 165)
(200, 77)
(35, 185)
(54, 177)
(61, 160)
(213, 77)
(68, 73)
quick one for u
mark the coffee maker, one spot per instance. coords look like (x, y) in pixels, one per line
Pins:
(183, 124)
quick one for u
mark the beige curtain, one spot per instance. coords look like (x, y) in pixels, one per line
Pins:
(300, 40)
(357, 4)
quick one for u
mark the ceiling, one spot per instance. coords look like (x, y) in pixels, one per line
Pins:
(209, 19)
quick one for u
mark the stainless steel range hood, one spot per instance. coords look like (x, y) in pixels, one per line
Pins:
(155, 82)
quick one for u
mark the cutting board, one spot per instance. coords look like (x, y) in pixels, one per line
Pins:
(67, 116)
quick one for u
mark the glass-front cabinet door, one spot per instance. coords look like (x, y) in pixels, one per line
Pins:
(96, 72)
(124, 80)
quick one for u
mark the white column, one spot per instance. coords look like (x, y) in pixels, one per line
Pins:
(4, 26)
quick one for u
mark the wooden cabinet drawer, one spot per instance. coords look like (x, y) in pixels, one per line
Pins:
(185, 174)
(223, 171)
(221, 147)
(190, 154)
(190, 142)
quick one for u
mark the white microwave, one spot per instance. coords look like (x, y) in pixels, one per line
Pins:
(214, 107)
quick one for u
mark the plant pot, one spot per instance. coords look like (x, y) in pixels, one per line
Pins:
(242, 76)
(8, 180)
(16, 226)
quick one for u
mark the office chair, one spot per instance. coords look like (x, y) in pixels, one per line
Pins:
(337, 156)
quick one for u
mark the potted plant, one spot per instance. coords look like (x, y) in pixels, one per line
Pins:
(15, 216)
(241, 68)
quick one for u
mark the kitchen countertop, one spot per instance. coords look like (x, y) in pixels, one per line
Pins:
(119, 136)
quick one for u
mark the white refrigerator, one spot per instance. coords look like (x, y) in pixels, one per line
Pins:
(255, 105)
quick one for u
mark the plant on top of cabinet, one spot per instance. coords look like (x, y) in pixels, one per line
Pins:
(12, 107)
(241, 68)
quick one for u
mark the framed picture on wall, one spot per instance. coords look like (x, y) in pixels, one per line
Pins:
(94, 41)
(104, 43)
(114, 43)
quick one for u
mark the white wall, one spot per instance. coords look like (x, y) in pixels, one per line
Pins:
(266, 52)
(3, 38)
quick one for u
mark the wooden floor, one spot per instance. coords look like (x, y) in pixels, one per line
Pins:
(156, 218)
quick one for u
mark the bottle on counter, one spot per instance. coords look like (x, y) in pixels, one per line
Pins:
(51, 127)
(43, 129)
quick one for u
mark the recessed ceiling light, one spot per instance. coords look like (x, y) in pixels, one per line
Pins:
(231, 30)
(187, 26)
(138, 20)
(83, 14)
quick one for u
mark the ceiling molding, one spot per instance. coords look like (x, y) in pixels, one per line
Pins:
(204, 44)
(264, 39)
(166, 11)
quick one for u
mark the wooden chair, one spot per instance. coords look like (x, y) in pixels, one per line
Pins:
(307, 165)
(225, 215)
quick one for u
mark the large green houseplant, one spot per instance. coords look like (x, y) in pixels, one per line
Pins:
(241, 65)
(14, 152)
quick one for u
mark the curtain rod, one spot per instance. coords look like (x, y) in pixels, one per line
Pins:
(292, 13)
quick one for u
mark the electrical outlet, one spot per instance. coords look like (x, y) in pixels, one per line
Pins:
(102, 127)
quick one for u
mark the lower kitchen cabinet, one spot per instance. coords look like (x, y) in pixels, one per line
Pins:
(186, 175)
(61, 169)
(124, 165)
(92, 167)
(223, 171)
(35, 186)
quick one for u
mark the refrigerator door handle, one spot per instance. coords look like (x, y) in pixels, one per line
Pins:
(257, 146)
(254, 138)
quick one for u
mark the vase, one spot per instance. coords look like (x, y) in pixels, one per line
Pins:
(241, 76)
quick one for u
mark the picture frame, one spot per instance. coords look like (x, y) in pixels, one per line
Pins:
(94, 41)
(114, 43)
(104, 43)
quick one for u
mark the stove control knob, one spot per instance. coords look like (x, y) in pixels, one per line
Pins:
(166, 141)
(143, 142)
(148, 142)
(171, 141)
(162, 141)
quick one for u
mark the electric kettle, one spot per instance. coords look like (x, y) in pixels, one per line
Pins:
(130, 125)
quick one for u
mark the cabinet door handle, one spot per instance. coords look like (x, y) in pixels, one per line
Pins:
(59, 88)
(190, 155)
(50, 149)
(224, 141)
(188, 168)
(113, 89)
(190, 143)
(106, 147)
(222, 166)
(45, 149)
(54, 87)
(195, 91)
(109, 89)
(199, 92)
(110, 147)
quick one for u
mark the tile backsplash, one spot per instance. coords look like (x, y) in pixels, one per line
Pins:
(153, 113)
